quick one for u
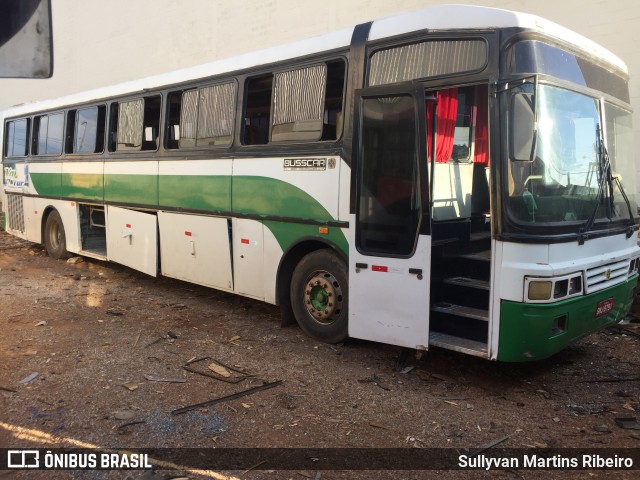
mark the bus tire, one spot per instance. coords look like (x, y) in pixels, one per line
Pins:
(55, 240)
(319, 296)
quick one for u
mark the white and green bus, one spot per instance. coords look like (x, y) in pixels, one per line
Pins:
(459, 177)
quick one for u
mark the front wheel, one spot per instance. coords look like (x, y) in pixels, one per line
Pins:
(319, 296)
(54, 238)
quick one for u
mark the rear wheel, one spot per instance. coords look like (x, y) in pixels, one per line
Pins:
(54, 238)
(319, 296)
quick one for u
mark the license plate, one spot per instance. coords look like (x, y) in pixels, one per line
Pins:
(604, 307)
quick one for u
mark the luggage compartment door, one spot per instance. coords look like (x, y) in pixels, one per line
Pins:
(132, 239)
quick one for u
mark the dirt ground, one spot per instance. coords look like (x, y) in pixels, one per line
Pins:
(99, 334)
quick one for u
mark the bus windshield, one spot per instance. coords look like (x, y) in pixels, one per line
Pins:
(577, 165)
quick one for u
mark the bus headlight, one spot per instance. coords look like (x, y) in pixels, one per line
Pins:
(541, 290)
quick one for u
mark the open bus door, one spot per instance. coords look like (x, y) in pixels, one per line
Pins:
(390, 242)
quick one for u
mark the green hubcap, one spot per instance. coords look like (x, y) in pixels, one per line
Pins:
(323, 297)
(319, 298)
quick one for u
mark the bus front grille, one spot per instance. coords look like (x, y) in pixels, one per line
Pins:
(604, 276)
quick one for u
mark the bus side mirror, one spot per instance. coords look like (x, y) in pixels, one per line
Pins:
(25, 39)
(523, 128)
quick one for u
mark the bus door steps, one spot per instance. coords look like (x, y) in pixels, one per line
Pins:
(468, 282)
(97, 253)
(458, 344)
(483, 256)
(461, 311)
(477, 236)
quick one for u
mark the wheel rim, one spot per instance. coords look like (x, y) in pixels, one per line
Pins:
(55, 235)
(323, 297)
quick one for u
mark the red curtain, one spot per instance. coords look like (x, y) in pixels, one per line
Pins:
(447, 115)
(482, 127)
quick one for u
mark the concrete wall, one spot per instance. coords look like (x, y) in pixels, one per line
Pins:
(98, 43)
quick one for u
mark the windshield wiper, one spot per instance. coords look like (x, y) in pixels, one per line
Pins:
(606, 178)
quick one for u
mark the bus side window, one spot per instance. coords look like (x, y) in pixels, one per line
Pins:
(333, 98)
(257, 110)
(112, 139)
(135, 124)
(48, 134)
(298, 104)
(151, 122)
(16, 134)
(203, 117)
(174, 121)
(85, 130)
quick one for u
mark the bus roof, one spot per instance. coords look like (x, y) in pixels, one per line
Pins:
(454, 17)
(442, 17)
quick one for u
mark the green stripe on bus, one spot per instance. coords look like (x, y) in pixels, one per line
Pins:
(86, 186)
(195, 192)
(48, 184)
(242, 194)
(288, 233)
(268, 196)
(527, 329)
(136, 189)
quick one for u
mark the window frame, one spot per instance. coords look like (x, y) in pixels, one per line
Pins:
(27, 138)
(113, 123)
(198, 88)
(71, 132)
(35, 137)
(275, 73)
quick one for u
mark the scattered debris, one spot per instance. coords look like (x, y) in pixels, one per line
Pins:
(171, 336)
(28, 378)
(376, 380)
(235, 338)
(377, 425)
(115, 312)
(74, 260)
(121, 428)
(601, 429)
(489, 445)
(243, 393)
(8, 389)
(153, 378)
(130, 386)
(123, 415)
(41, 323)
(217, 370)
(628, 423)
(135, 344)
(625, 331)
(589, 409)
(406, 370)
(253, 468)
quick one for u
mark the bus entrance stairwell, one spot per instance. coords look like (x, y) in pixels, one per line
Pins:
(461, 235)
